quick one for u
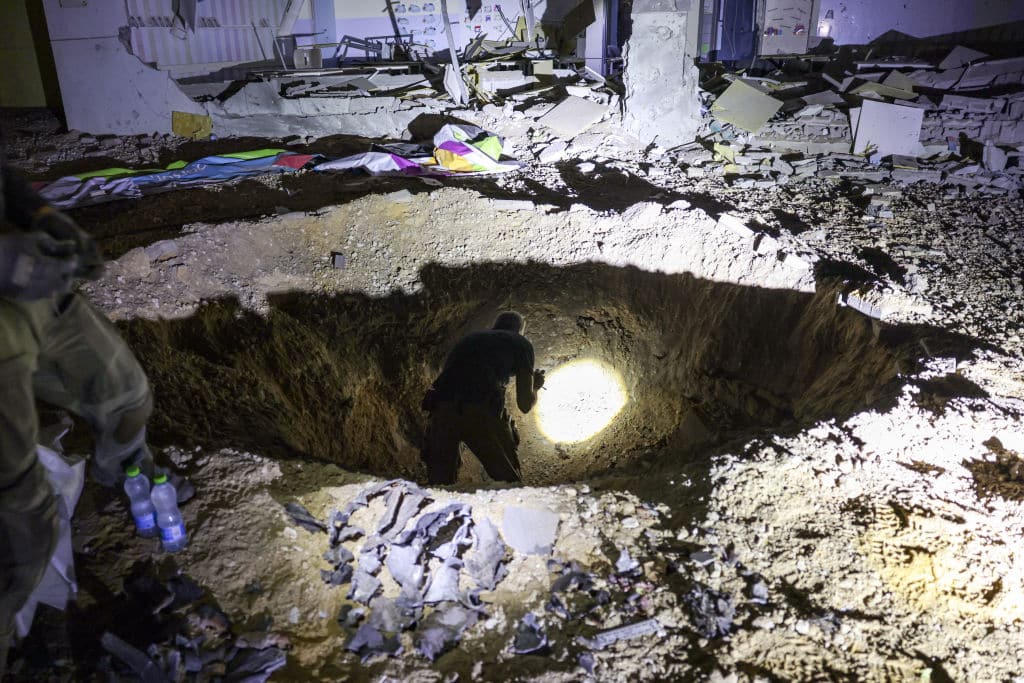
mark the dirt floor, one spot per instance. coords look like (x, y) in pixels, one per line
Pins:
(800, 491)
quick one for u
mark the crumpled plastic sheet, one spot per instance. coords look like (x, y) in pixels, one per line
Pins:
(394, 615)
(711, 611)
(444, 583)
(304, 518)
(423, 552)
(364, 587)
(530, 637)
(255, 666)
(486, 563)
(368, 642)
(443, 629)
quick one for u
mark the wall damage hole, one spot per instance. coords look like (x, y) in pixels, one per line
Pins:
(340, 377)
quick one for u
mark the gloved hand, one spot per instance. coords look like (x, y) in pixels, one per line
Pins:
(62, 228)
(34, 265)
(538, 380)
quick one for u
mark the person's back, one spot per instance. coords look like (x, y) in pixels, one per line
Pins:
(480, 365)
(467, 401)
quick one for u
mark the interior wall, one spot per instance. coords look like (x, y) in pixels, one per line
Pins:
(21, 79)
(854, 22)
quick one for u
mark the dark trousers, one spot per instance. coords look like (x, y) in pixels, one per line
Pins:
(489, 436)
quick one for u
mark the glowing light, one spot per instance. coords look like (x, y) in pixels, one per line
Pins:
(579, 400)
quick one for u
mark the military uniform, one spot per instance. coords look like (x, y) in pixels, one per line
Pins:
(56, 347)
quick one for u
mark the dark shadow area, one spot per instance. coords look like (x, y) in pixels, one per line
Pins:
(883, 264)
(791, 222)
(340, 378)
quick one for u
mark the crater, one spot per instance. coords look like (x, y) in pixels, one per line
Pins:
(340, 377)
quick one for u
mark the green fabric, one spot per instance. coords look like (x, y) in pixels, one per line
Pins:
(116, 171)
(491, 146)
(175, 165)
(254, 154)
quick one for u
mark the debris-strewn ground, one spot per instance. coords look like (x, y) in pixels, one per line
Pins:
(872, 538)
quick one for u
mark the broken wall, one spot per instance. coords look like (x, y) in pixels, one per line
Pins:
(856, 22)
(104, 88)
(661, 103)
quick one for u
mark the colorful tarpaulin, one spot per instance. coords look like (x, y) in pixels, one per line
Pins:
(121, 183)
(458, 150)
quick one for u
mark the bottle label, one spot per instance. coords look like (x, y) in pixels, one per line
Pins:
(145, 522)
(170, 534)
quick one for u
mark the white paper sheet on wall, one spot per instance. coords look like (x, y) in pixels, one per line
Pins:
(786, 27)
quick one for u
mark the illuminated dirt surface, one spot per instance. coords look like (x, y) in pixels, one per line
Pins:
(866, 472)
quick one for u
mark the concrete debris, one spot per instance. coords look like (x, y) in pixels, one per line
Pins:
(876, 110)
(164, 250)
(745, 107)
(711, 611)
(884, 129)
(552, 153)
(530, 637)
(961, 56)
(572, 116)
(197, 644)
(603, 639)
(531, 531)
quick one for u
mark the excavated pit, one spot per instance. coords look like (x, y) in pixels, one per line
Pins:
(340, 378)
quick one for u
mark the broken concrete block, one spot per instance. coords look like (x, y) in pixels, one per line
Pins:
(572, 116)
(994, 158)
(879, 90)
(735, 224)
(809, 110)
(886, 129)
(826, 98)
(745, 107)
(164, 250)
(531, 531)
(553, 152)
(961, 56)
(578, 90)
(512, 204)
(899, 81)
(401, 196)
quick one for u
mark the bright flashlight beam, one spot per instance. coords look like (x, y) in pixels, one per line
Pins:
(579, 400)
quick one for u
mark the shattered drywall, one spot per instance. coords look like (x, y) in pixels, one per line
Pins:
(661, 103)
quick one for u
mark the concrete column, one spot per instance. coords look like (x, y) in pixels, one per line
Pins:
(661, 79)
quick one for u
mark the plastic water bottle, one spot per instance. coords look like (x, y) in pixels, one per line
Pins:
(137, 488)
(168, 517)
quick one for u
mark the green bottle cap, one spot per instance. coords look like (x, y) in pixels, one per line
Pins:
(133, 471)
(160, 479)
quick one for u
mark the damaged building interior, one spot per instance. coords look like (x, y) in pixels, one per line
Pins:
(769, 254)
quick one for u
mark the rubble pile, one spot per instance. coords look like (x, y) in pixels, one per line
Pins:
(429, 574)
(196, 641)
(876, 121)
